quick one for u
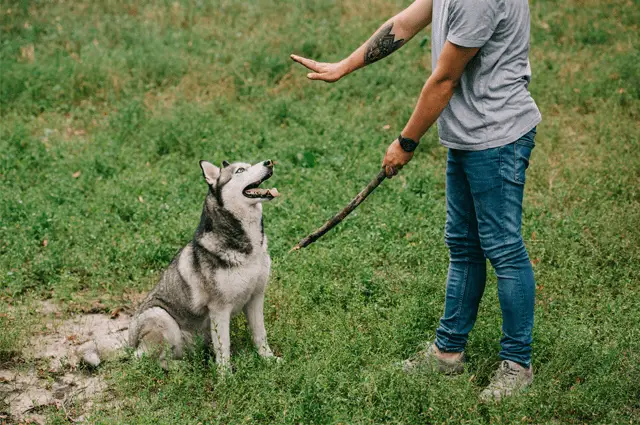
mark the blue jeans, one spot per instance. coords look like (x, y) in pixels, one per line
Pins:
(484, 220)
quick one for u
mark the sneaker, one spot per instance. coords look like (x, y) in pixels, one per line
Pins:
(429, 357)
(507, 380)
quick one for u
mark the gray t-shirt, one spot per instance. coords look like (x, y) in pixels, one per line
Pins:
(492, 105)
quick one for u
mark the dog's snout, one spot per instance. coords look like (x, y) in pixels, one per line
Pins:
(268, 163)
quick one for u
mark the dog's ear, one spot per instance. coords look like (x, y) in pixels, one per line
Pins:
(225, 164)
(210, 172)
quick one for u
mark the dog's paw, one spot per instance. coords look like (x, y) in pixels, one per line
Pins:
(224, 369)
(272, 358)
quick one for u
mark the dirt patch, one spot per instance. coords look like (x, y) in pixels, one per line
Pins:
(68, 342)
(56, 376)
(24, 394)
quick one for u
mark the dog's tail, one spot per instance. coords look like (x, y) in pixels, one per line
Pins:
(88, 353)
(94, 351)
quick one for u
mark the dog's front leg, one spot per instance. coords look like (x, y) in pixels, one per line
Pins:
(254, 311)
(220, 318)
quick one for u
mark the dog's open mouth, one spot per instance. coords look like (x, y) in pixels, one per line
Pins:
(254, 191)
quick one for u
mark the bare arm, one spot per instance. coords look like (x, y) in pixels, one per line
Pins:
(438, 89)
(434, 97)
(392, 35)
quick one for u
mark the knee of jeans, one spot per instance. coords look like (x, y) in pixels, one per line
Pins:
(463, 249)
(508, 254)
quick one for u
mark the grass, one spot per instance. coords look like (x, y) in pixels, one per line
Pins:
(106, 109)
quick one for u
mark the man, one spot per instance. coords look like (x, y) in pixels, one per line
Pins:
(478, 93)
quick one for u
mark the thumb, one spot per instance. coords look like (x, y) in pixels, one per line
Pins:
(315, 76)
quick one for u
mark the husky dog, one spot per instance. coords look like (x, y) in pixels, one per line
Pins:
(224, 269)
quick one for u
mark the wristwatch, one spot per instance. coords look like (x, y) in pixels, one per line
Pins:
(407, 145)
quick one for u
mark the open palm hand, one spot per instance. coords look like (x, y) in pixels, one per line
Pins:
(328, 72)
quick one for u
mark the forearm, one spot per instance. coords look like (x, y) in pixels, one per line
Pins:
(435, 96)
(392, 35)
(433, 99)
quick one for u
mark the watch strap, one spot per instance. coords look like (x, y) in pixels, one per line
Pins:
(407, 145)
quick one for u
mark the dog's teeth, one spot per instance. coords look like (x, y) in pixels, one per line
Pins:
(263, 192)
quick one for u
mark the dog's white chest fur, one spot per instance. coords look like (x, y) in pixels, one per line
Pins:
(229, 287)
(236, 285)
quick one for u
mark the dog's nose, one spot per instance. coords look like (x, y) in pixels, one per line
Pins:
(268, 163)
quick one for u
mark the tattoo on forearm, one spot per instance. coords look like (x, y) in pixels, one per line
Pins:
(381, 45)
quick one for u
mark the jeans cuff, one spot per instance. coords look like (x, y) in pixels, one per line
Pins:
(444, 349)
(525, 365)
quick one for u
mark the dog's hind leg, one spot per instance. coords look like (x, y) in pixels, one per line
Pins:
(153, 332)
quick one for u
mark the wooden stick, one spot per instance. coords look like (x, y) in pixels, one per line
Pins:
(343, 213)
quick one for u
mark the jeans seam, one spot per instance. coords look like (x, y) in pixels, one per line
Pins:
(502, 218)
(515, 163)
(523, 311)
(464, 279)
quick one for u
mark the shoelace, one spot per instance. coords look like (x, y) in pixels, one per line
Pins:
(505, 371)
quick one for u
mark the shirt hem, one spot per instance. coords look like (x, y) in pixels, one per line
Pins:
(465, 42)
(492, 143)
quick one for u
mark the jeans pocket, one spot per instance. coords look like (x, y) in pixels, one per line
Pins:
(522, 153)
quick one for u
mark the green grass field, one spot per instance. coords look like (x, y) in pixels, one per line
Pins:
(106, 109)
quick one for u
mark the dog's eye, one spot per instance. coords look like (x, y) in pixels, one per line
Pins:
(240, 170)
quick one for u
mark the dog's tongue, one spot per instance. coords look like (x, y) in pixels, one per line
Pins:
(273, 192)
(264, 192)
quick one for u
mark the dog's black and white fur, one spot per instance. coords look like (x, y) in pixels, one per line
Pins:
(224, 269)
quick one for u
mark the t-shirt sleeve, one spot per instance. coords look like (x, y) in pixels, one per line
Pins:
(472, 22)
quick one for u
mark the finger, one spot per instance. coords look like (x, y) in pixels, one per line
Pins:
(304, 61)
(317, 76)
(311, 64)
